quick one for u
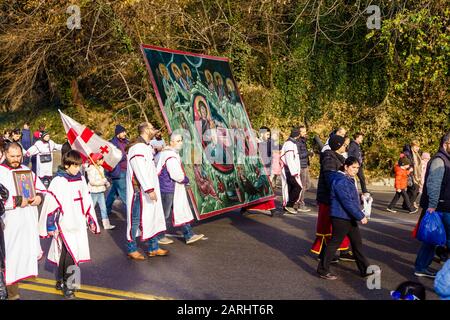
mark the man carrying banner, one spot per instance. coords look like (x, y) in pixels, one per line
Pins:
(172, 180)
(22, 245)
(290, 173)
(145, 215)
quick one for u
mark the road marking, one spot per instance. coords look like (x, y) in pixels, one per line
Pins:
(78, 294)
(114, 292)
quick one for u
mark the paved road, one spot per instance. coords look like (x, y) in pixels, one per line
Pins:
(253, 256)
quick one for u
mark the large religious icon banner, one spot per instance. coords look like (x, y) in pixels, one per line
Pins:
(199, 99)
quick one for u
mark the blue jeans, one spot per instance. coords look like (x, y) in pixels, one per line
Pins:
(135, 220)
(426, 252)
(167, 203)
(99, 197)
(118, 186)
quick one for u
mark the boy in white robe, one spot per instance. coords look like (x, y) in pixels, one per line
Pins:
(65, 215)
(172, 181)
(22, 244)
(145, 216)
(290, 172)
(44, 148)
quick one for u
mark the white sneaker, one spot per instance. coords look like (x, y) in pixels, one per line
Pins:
(107, 225)
(165, 240)
(194, 238)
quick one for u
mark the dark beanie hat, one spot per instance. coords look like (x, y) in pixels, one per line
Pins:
(295, 132)
(336, 142)
(119, 129)
(404, 161)
(43, 134)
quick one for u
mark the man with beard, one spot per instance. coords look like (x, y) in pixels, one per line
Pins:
(118, 175)
(22, 246)
(145, 215)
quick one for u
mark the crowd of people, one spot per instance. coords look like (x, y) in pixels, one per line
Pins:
(341, 206)
(147, 179)
(150, 176)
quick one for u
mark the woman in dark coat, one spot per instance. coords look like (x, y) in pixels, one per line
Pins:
(345, 213)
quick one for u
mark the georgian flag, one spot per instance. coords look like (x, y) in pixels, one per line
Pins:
(85, 141)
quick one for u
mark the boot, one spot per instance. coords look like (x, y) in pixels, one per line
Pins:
(107, 225)
(3, 290)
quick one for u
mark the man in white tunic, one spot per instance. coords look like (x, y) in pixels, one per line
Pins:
(172, 181)
(22, 245)
(290, 172)
(145, 216)
(43, 149)
(65, 215)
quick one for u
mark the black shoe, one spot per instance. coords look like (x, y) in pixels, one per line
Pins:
(334, 260)
(347, 256)
(68, 293)
(59, 285)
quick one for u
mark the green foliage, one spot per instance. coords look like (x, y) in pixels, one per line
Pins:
(296, 61)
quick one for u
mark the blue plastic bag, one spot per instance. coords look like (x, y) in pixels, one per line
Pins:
(431, 229)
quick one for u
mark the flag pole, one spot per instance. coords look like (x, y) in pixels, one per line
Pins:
(96, 166)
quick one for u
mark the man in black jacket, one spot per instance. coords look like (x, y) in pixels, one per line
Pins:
(354, 150)
(330, 161)
(304, 168)
(435, 198)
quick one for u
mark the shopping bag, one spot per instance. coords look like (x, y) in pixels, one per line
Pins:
(431, 229)
(367, 205)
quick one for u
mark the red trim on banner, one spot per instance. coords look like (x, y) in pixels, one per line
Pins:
(184, 53)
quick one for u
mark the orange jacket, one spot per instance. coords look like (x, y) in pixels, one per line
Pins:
(401, 177)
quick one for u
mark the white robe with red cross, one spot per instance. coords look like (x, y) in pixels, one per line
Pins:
(22, 244)
(71, 203)
(171, 160)
(141, 168)
(290, 159)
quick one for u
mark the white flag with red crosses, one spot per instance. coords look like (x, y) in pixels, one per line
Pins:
(85, 141)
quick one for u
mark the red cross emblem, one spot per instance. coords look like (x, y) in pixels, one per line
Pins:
(104, 149)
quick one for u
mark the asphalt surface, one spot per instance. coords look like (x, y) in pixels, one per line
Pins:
(251, 256)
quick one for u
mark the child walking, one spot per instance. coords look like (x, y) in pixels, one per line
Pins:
(66, 213)
(402, 169)
(97, 186)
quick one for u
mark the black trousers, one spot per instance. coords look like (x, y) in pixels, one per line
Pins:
(342, 228)
(294, 188)
(413, 192)
(362, 179)
(65, 261)
(2, 248)
(406, 201)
